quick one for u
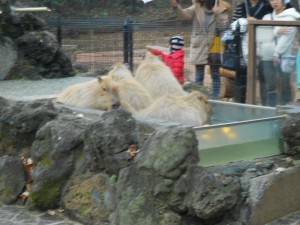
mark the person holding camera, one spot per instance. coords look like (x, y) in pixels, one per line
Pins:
(207, 16)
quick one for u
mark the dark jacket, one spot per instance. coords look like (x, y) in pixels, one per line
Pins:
(258, 11)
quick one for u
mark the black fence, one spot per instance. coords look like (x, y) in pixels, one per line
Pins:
(97, 44)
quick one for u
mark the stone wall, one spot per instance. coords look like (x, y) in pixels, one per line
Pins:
(82, 165)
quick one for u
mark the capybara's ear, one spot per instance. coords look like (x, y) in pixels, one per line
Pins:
(99, 78)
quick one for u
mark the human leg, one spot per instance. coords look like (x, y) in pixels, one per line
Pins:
(262, 83)
(199, 74)
(286, 88)
(270, 75)
(216, 81)
(240, 85)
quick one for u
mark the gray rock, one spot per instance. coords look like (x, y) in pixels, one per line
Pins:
(12, 179)
(55, 150)
(266, 204)
(8, 56)
(108, 139)
(290, 134)
(20, 122)
(33, 52)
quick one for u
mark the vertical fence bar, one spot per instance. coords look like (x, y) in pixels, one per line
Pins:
(128, 43)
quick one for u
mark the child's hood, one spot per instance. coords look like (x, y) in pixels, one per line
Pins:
(289, 14)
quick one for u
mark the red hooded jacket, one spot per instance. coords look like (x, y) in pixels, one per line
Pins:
(175, 61)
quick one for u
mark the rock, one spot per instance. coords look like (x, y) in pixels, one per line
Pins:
(20, 122)
(208, 197)
(266, 202)
(57, 146)
(8, 56)
(88, 198)
(12, 179)
(290, 134)
(33, 52)
(108, 139)
(81, 165)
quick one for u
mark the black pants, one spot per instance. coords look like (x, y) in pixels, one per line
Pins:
(275, 86)
(240, 85)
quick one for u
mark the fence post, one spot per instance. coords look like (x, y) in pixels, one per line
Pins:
(128, 43)
(239, 93)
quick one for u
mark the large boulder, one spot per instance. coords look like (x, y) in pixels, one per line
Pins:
(163, 187)
(12, 179)
(108, 139)
(33, 52)
(19, 122)
(291, 134)
(57, 146)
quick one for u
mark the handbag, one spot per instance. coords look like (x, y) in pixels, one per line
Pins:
(288, 63)
(216, 50)
(231, 56)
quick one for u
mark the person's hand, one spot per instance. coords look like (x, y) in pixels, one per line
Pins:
(283, 30)
(173, 3)
(215, 9)
(276, 61)
(149, 49)
(251, 18)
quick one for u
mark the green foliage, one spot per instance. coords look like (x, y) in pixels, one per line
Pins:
(47, 197)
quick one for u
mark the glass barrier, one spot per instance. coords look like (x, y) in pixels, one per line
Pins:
(271, 51)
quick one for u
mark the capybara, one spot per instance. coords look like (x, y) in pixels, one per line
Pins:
(133, 96)
(157, 77)
(119, 72)
(99, 93)
(191, 109)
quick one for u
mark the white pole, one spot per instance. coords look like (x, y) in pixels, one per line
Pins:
(31, 9)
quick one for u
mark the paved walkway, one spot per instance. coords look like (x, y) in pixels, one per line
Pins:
(32, 89)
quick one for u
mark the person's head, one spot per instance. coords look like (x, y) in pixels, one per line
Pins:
(209, 4)
(176, 43)
(277, 5)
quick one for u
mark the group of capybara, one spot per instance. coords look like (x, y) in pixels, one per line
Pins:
(151, 91)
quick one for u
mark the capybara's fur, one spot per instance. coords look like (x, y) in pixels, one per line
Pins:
(99, 93)
(133, 96)
(157, 77)
(191, 109)
(120, 72)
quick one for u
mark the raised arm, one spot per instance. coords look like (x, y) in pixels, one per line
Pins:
(184, 14)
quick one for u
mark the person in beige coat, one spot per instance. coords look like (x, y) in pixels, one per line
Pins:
(210, 17)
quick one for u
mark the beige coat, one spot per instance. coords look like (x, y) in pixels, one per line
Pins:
(201, 38)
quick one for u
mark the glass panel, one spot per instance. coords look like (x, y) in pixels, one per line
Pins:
(221, 145)
(277, 79)
(226, 112)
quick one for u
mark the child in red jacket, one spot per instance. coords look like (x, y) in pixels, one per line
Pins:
(174, 60)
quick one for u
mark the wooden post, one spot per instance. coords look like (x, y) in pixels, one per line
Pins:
(251, 68)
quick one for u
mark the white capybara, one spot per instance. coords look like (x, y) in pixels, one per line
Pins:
(157, 77)
(191, 109)
(99, 93)
(133, 96)
(120, 72)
